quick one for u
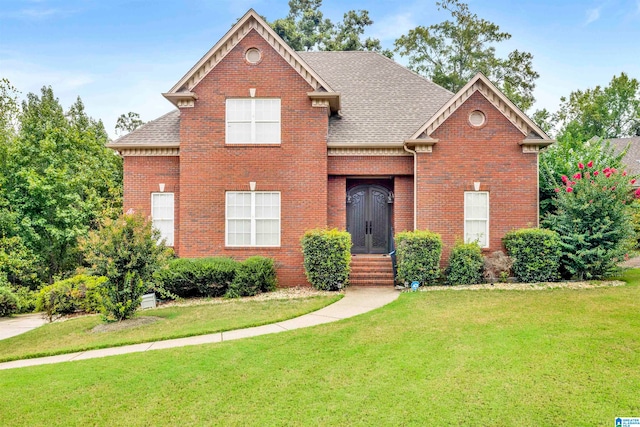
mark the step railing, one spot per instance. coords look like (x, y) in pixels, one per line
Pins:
(392, 254)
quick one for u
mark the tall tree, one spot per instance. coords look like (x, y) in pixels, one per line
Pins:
(452, 52)
(306, 28)
(128, 122)
(60, 180)
(609, 112)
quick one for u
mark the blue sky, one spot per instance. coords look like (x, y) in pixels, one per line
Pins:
(120, 55)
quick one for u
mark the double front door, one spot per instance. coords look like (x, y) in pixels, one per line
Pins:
(368, 215)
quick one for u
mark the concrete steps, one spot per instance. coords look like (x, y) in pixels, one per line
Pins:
(371, 270)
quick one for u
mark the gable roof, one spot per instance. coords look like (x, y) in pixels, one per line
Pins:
(250, 21)
(479, 83)
(382, 102)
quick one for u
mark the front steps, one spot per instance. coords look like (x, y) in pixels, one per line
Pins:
(371, 270)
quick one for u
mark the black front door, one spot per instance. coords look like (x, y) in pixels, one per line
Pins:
(368, 219)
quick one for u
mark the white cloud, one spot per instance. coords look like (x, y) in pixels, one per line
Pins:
(38, 13)
(592, 15)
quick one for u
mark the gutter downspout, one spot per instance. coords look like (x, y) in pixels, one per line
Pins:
(415, 186)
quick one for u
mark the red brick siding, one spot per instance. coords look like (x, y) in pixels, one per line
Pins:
(403, 203)
(489, 155)
(337, 205)
(141, 178)
(370, 165)
(297, 167)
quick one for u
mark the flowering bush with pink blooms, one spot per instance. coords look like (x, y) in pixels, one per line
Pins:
(593, 220)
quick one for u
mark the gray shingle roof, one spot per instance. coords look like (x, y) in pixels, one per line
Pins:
(632, 159)
(165, 130)
(381, 101)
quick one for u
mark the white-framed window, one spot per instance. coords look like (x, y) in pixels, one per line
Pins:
(253, 218)
(162, 215)
(253, 121)
(476, 217)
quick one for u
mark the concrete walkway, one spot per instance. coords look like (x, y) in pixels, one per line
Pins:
(357, 300)
(12, 326)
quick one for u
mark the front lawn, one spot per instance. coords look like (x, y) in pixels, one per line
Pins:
(473, 358)
(172, 322)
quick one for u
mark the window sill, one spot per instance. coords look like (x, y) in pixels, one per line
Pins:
(244, 248)
(253, 144)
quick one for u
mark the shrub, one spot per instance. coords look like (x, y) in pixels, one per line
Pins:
(8, 302)
(122, 299)
(418, 256)
(253, 276)
(327, 258)
(465, 264)
(188, 277)
(497, 266)
(26, 299)
(79, 293)
(127, 251)
(535, 253)
(593, 220)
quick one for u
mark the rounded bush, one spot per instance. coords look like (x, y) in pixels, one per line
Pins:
(418, 256)
(8, 302)
(78, 293)
(189, 277)
(465, 264)
(535, 253)
(253, 276)
(327, 258)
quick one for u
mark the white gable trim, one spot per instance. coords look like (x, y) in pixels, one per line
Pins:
(481, 84)
(250, 21)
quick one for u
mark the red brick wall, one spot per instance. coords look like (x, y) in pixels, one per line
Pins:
(297, 167)
(337, 204)
(489, 155)
(370, 165)
(141, 178)
(403, 203)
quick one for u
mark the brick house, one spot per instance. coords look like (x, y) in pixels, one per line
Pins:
(266, 143)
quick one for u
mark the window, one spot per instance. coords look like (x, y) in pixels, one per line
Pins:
(253, 218)
(253, 121)
(476, 217)
(162, 215)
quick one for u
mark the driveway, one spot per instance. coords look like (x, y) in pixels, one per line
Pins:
(12, 326)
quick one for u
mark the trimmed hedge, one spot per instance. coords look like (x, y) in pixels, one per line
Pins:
(79, 293)
(254, 275)
(189, 277)
(8, 302)
(327, 258)
(418, 256)
(536, 254)
(465, 264)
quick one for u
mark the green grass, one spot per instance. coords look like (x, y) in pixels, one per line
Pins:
(176, 322)
(473, 358)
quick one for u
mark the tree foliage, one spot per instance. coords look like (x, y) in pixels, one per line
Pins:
(606, 112)
(128, 122)
(452, 52)
(57, 181)
(306, 28)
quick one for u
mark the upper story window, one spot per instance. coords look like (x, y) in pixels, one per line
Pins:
(476, 217)
(162, 215)
(253, 121)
